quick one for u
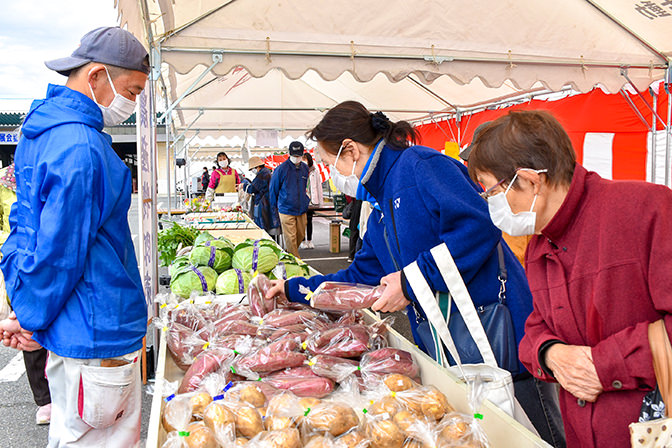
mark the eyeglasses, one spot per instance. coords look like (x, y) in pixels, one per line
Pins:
(487, 193)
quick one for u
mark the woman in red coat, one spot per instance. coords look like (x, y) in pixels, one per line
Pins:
(599, 267)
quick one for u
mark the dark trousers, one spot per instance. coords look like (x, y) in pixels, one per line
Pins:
(353, 225)
(309, 224)
(35, 365)
(540, 402)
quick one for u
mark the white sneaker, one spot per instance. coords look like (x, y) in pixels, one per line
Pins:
(43, 415)
(303, 245)
(309, 245)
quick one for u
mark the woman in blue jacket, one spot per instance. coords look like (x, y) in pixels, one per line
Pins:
(424, 199)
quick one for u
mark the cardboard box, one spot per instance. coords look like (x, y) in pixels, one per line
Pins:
(335, 237)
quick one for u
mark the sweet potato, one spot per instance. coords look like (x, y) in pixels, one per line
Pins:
(332, 367)
(236, 327)
(303, 387)
(177, 333)
(294, 372)
(282, 318)
(256, 294)
(389, 360)
(269, 362)
(336, 296)
(346, 342)
(206, 363)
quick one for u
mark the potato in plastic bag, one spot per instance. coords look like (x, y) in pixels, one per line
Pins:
(284, 438)
(332, 418)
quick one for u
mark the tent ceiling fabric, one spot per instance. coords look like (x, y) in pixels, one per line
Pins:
(237, 101)
(569, 42)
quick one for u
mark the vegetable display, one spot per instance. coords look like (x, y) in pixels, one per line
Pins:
(170, 239)
(191, 278)
(233, 281)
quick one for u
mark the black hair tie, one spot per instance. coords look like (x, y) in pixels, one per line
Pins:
(380, 123)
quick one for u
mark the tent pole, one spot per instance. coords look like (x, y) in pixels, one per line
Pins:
(653, 136)
(179, 137)
(624, 73)
(668, 129)
(216, 59)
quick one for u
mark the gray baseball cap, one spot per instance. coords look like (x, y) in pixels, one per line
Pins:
(466, 152)
(107, 45)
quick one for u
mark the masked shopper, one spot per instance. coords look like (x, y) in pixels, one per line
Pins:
(263, 214)
(223, 179)
(425, 200)
(69, 262)
(288, 196)
(598, 265)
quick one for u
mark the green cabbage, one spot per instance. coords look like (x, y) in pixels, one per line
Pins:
(242, 258)
(201, 256)
(227, 282)
(296, 270)
(178, 263)
(265, 243)
(185, 280)
(202, 238)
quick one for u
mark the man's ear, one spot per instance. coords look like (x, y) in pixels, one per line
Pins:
(95, 75)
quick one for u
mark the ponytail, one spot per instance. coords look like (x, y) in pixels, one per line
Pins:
(351, 119)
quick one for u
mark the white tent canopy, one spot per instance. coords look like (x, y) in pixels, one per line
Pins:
(232, 104)
(575, 42)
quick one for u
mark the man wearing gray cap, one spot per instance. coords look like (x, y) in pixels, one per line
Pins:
(69, 262)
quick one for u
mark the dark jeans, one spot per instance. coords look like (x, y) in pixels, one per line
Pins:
(540, 402)
(309, 224)
(35, 365)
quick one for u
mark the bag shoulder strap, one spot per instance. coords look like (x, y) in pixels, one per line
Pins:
(662, 360)
(458, 290)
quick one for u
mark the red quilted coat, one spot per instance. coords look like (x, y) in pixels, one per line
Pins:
(599, 273)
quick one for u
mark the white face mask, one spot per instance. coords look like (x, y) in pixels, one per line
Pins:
(119, 109)
(345, 184)
(224, 163)
(295, 159)
(515, 224)
(254, 170)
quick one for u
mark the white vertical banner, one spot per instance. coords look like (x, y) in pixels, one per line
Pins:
(146, 141)
(598, 154)
(659, 148)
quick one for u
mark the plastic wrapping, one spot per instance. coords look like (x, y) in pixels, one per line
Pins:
(308, 385)
(283, 411)
(330, 417)
(332, 367)
(275, 356)
(382, 432)
(426, 401)
(389, 360)
(256, 294)
(338, 296)
(177, 414)
(207, 362)
(283, 318)
(345, 342)
(283, 438)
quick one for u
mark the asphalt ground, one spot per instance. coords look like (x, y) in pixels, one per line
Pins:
(17, 408)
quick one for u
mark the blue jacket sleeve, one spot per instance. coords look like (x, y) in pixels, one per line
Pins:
(365, 269)
(48, 272)
(274, 187)
(464, 222)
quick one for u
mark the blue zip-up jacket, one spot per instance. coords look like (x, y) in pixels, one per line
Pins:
(264, 215)
(426, 199)
(287, 192)
(69, 262)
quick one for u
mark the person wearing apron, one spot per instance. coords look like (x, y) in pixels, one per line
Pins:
(224, 179)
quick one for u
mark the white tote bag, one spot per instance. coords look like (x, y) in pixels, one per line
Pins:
(501, 392)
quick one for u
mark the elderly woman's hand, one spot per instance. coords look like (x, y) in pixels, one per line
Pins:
(573, 367)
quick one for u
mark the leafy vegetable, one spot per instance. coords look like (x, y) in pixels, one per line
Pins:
(202, 238)
(228, 282)
(243, 258)
(169, 240)
(186, 279)
(178, 263)
(217, 258)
